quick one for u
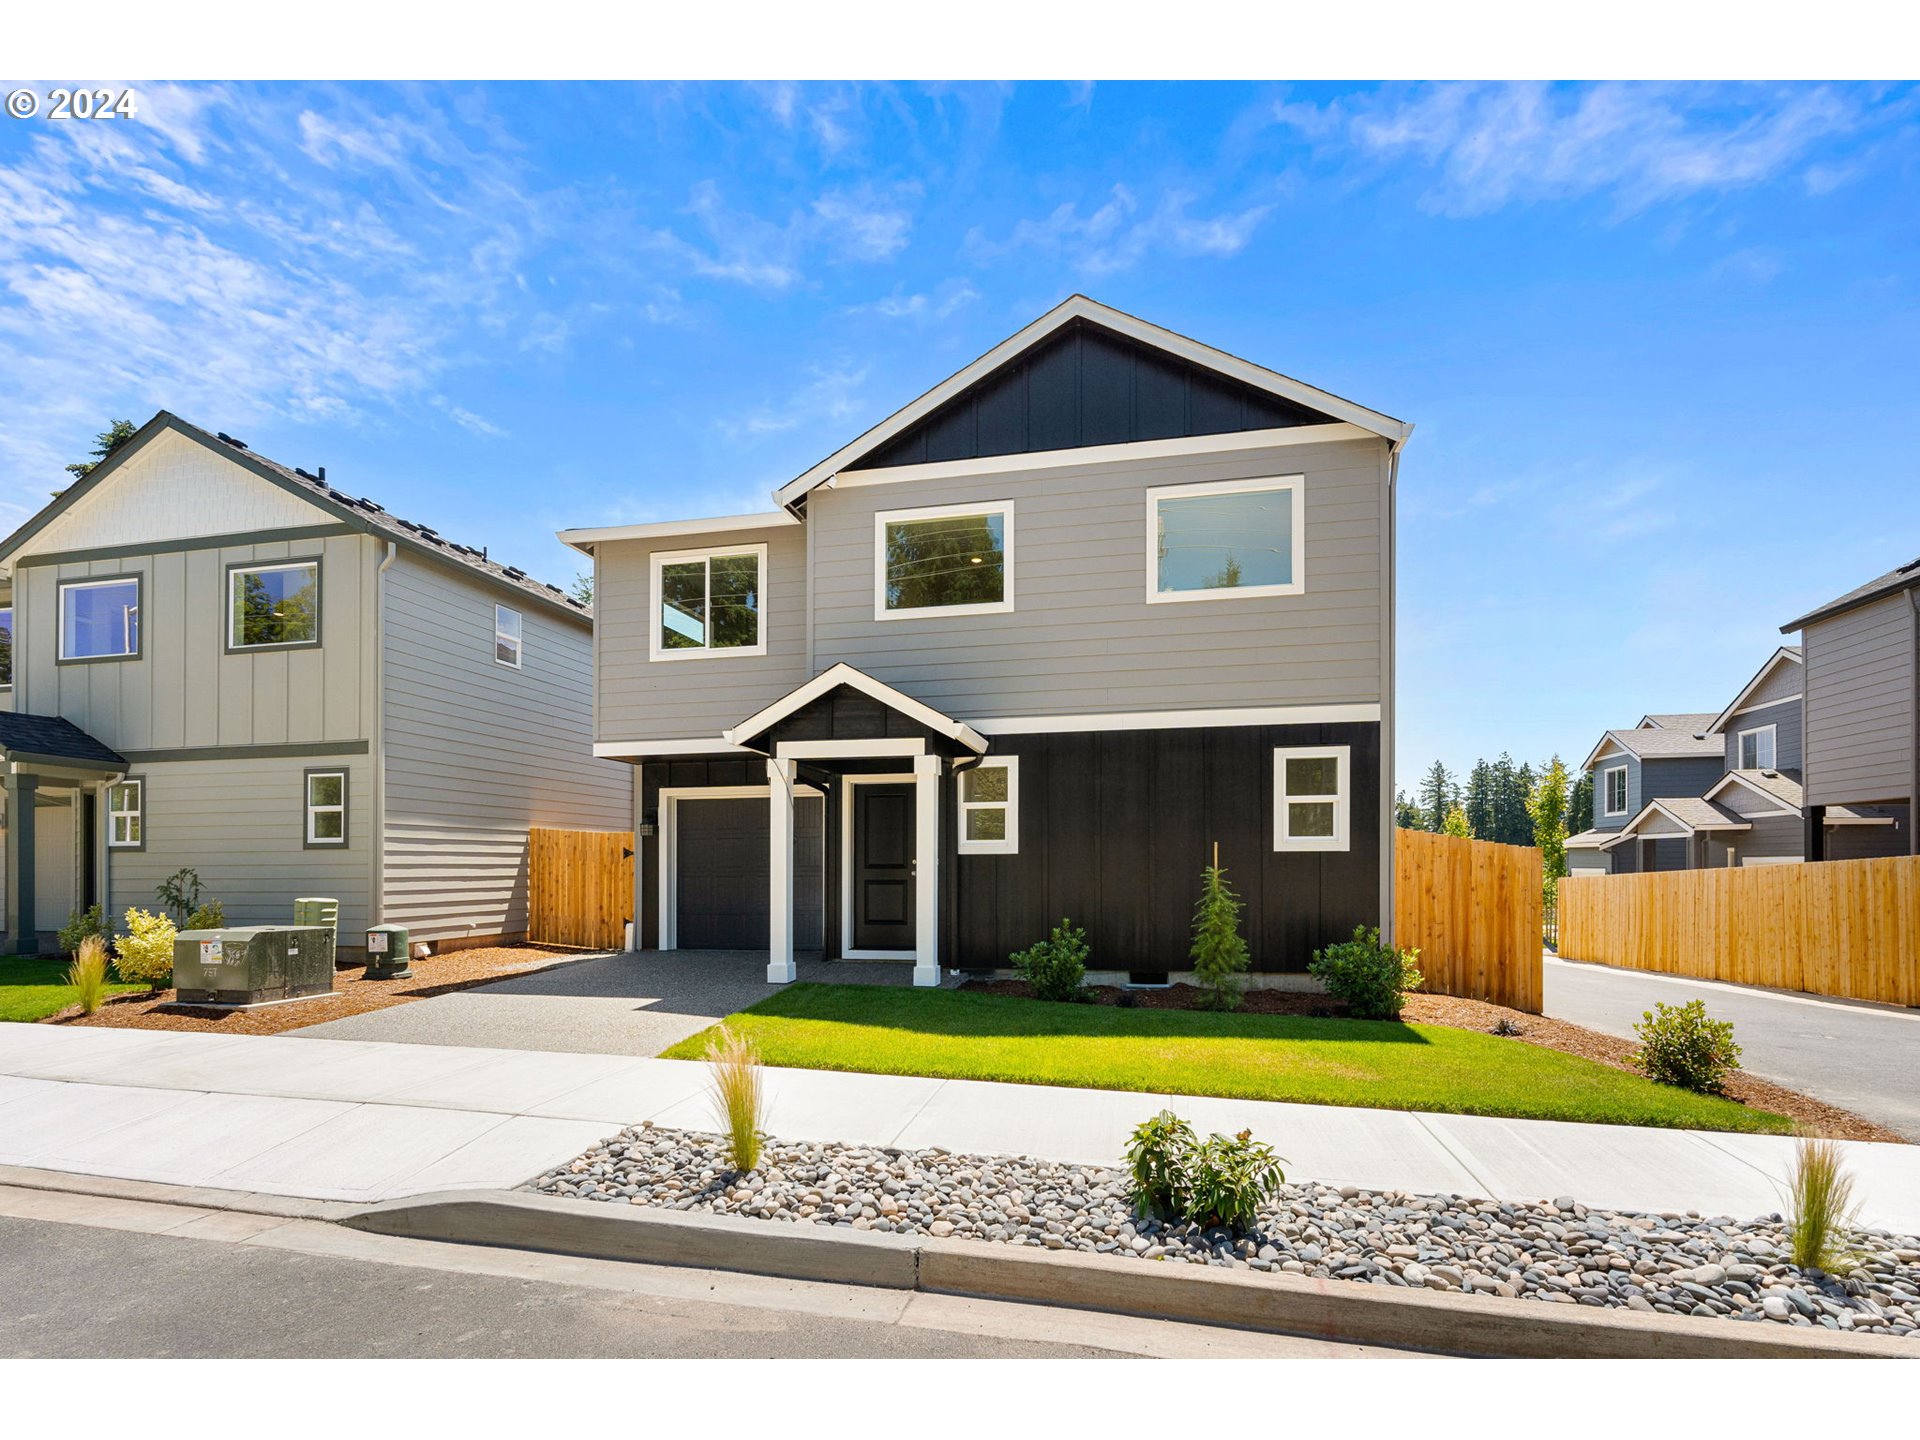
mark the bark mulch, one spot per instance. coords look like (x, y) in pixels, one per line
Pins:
(352, 994)
(1816, 1116)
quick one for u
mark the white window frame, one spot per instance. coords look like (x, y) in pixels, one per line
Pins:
(962, 806)
(1341, 798)
(518, 640)
(60, 601)
(884, 518)
(138, 812)
(659, 560)
(234, 642)
(1295, 485)
(1773, 744)
(1606, 791)
(309, 810)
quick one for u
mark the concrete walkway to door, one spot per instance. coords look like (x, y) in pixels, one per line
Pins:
(623, 1004)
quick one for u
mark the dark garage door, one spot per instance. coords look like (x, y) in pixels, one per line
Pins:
(720, 853)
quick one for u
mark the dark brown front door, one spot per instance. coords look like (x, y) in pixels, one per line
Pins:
(883, 867)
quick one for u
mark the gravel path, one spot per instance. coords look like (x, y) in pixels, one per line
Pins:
(1557, 1252)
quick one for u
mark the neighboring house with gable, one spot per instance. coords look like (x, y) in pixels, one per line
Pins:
(1640, 776)
(1027, 648)
(218, 663)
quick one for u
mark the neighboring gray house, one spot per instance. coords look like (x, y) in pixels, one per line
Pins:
(1025, 649)
(215, 662)
(1638, 776)
(1862, 719)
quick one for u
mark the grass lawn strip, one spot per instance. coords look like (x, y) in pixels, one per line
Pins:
(32, 988)
(1380, 1064)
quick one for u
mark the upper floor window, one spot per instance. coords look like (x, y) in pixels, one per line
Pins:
(1311, 798)
(1226, 538)
(270, 606)
(990, 807)
(1756, 748)
(6, 647)
(100, 619)
(708, 602)
(506, 636)
(125, 807)
(1613, 783)
(948, 560)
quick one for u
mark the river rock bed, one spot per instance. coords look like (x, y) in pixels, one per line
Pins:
(1556, 1252)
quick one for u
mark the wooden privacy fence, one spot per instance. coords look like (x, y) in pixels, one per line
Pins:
(1847, 928)
(1472, 910)
(579, 887)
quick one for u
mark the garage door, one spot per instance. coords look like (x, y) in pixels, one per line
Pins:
(720, 858)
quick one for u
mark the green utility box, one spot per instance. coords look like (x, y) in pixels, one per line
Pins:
(252, 964)
(318, 910)
(388, 947)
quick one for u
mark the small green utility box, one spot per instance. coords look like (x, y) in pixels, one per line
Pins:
(388, 947)
(252, 964)
(318, 910)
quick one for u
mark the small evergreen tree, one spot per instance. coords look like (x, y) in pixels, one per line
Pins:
(1219, 952)
(104, 444)
(1406, 814)
(1479, 802)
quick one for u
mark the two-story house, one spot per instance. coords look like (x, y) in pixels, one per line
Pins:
(1639, 774)
(1026, 649)
(217, 663)
(1862, 719)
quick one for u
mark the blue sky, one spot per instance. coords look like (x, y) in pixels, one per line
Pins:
(1660, 341)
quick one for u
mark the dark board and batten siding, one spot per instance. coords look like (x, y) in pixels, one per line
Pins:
(1084, 386)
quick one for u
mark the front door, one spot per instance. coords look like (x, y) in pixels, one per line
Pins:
(883, 867)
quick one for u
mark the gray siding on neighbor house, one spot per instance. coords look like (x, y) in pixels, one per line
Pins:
(1652, 780)
(1869, 842)
(1787, 682)
(1588, 862)
(6, 691)
(1859, 705)
(476, 752)
(1082, 637)
(698, 697)
(1785, 717)
(1771, 836)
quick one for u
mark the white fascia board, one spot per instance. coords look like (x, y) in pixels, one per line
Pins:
(1600, 750)
(1179, 719)
(845, 674)
(1079, 307)
(585, 540)
(848, 749)
(1785, 652)
(648, 749)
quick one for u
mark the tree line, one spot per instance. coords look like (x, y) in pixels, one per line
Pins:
(1503, 802)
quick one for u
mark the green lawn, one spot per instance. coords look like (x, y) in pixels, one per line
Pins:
(951, 1034)
(32, 988)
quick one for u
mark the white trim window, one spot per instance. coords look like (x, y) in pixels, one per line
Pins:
(271, 606)
(1312, 797)
(1613, 790)
(1227, 539)
(126, 815)
(507, 633)
(943, 560)
(707, 603)
(1756, 748)
(989, 809)
(326, 808)
(100, 619)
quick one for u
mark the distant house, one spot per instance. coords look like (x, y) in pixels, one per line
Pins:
(1862, 719)
(1650, 772)
(214, 662)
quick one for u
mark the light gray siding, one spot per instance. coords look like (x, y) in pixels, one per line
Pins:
(1082, 637)
(1587, 862)
(639, 698)
(476, 752)
(1785, 717)
(1859, 705)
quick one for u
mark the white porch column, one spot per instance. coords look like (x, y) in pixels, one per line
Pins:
(926, 872)
(780, 778)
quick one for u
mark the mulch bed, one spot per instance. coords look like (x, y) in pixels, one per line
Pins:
(353, 994)
(1816, 1116)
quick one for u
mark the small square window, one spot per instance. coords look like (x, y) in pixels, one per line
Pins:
(506, 636)
(1311, 798)
(271, 606)
(326, 805)
(990, 807)
(1756, 748)
(125, 818)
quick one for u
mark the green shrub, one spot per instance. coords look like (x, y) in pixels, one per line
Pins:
(1680, 1045)
(210, 916)
(1374, 979)
(80, 924)
(1056, 967)
(180, 892)
(1219, 953)
(144, 955)
(88, 974)
(1219, 1181)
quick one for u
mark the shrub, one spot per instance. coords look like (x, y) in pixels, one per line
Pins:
(1680, 1045)
(180, 892)
(1219, 953)
(88, 974)
(144, 954)
(210, 916)
(738, 1100)
(1219, 1181)
(80, 924)
(1056, 967)
(1823, 1208)
(1374, 979)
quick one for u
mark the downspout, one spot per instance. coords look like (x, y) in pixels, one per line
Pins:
(1390, 586)
(377, 891)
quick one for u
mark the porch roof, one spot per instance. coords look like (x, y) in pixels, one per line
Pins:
(55, 740)
(921, 716)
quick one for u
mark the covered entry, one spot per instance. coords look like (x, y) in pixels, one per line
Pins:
(718, 895)
(56, 779)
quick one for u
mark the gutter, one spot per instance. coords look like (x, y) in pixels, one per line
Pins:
(376, 891)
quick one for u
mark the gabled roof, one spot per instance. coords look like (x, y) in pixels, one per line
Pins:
(1691, 724)
(835, 676)
(1781, 785)
(1690, 813)
(1654, 742)
(361, 513)
(1904, 578)
(1785, 655)
(50, 737)
(1078, 308)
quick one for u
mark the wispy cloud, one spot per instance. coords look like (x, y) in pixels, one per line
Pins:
(829, 395)
(467, 420)
(921, 306)
(1119, 234)
(862, 224)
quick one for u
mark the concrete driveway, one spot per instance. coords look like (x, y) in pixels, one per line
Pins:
(626, 1004)
(1863, 1057)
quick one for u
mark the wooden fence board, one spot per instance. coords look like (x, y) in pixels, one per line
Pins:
(1846, 928)
(1473, 911)
(579, 887)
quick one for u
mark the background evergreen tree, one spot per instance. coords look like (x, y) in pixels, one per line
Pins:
(104, 444)
(1479, 801)
(1406, 814)
(1436, 795)
(1219, 952)
(1580, 805)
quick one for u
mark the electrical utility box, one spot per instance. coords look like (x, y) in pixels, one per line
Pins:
(252, 964)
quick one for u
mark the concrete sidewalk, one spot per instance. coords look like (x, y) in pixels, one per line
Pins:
(364, 1121)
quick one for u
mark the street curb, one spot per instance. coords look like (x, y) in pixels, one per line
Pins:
(1283, 1304)
(159, 1192)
